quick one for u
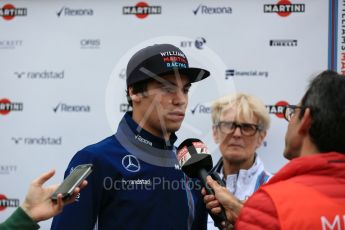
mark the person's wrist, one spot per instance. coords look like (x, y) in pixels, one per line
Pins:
(27, 210)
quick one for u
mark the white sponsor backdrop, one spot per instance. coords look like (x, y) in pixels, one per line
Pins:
(64, 63)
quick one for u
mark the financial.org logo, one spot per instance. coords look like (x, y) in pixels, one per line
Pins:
(64, 108)
(284, 42)
(44, 75)
(199, 108)
(7, 169)
(37, 140)
(10, 44)
(231, 73)
(90, 43)
(211, 10)
(66, 11)
(198, 43)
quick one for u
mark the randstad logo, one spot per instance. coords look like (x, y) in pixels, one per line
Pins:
(66, 11)
(211, 10)
(199, 108)
(7, 203)
(141, 10)
(45, 74)
(277, 109)
(9, 11)
(62, 107)
(6, 106)
(37, 140)
(284, 8)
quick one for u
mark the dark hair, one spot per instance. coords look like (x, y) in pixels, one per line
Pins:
(138, 87)
(326, 99)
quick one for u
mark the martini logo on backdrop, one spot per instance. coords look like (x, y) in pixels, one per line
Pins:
(284, 8)
(45, 74)
(7, 203)
(231, 73)
(212, 10)
(10, 44)
(284, 42)
(65, 108)
(6, 106)
(141, 10)
(198, 43)
(277, 109)
(9, 11)
(7, 169)
(37, 140)
(66, 11)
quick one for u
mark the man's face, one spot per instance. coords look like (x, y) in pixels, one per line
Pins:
(161, 109)
(293, 140)
(236, 148)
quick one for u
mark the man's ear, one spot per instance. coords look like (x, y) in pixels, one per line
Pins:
(135, 97)
(262, 136)
(215, 134)
(305, 122)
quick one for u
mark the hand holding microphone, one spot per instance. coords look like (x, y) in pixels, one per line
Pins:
(196, 162)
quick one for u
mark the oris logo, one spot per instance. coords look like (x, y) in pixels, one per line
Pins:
(198, 43)
(284, 8)
(199, 108)
(8, 12)
(62, 107)
(45, 74)
(6, 106)
(277, 109)
(90, 43)
(141, 10)
(66, 11)
(5, 202)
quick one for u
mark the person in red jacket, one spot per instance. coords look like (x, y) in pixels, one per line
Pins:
(308, 192)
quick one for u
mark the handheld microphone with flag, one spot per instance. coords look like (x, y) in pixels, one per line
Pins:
(196, 162)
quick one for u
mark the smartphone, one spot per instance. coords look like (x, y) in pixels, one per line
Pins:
(74, 179)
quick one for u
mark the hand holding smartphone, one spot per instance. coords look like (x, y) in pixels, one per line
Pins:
(74, 179)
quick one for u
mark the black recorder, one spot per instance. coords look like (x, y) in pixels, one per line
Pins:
(196, 162)
(74, 179)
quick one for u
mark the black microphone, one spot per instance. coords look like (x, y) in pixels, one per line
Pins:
(196, 162)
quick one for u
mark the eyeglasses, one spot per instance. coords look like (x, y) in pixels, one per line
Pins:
(290, 110)
(229, 127)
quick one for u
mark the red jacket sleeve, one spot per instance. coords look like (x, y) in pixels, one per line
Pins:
(257, 213)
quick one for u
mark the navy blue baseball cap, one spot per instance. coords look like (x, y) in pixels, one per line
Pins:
(159, 60)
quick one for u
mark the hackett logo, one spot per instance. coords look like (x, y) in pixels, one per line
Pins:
(141, 10)
(9, 11)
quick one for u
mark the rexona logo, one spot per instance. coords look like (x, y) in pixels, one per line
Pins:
(8, 12)
(37, 140)
(284, 8)
(230, 73)
(141, 10)
(211, 10)
(198, 43)
(6, 106)
(199, 108)
(10, 44)
(45, 74)
(66, 11)
(284, 42)
(90, 43)
(7, 203)
(277, 109)
(62, 107)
